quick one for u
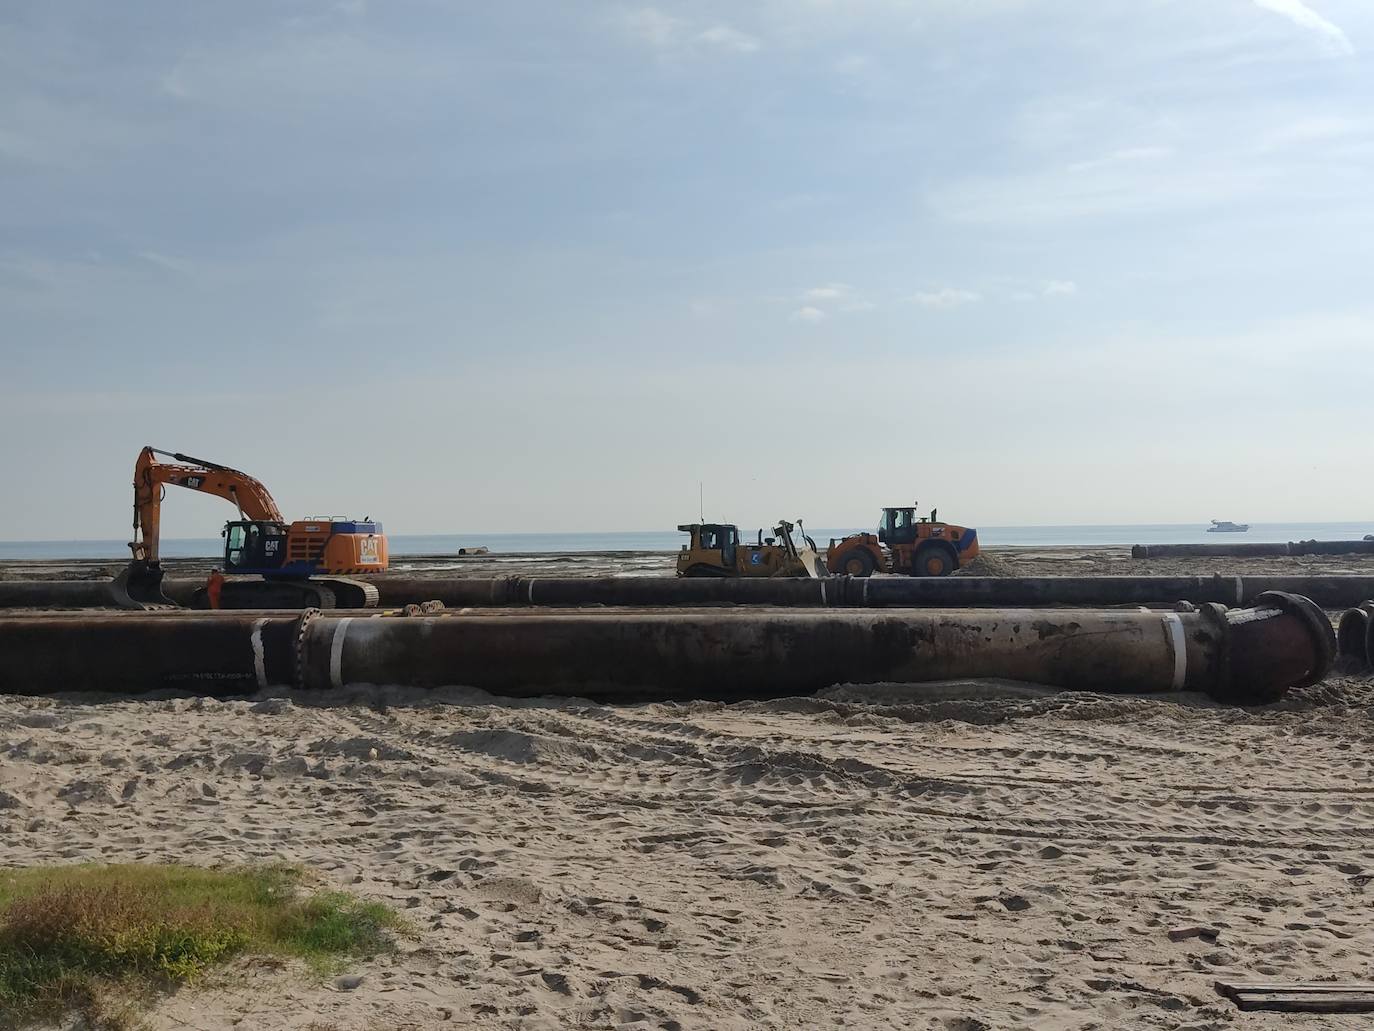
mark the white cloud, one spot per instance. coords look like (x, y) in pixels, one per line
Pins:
(166, 261)
(653, 26)
(1122, 155)
(854, 64)
(808, 314)
(1303, 16)
(829, 292)
(1060, 288)
(1314, 129)
(667, 33)
(726, 38)
(945, 297)
(838, 297)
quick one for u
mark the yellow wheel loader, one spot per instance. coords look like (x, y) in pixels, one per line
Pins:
(905, 543)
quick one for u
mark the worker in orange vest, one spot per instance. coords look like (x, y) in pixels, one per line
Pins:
(214, 588)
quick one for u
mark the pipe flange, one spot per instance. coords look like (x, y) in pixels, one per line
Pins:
(505, 590)
(1319, 628)
(1352, 632)
(303, 624)
(1213, 613)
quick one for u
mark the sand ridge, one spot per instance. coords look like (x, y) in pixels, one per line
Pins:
(931, 862)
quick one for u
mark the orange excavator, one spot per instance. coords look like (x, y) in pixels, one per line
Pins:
(289, 558)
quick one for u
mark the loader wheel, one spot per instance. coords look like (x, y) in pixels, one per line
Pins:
(933, 560)
(856, 563)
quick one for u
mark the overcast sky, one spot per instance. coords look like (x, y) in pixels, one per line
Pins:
(543, 265)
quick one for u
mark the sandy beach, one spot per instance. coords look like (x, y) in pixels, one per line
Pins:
(954, 857)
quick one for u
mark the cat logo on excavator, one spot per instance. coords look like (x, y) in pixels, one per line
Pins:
(715, 550)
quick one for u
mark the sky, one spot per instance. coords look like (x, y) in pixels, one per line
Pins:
(548, 266)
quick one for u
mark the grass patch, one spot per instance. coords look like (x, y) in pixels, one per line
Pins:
(75, 937)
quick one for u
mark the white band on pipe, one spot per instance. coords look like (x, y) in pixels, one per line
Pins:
(259, 660)
(531, 590)
(824, 603)
(336, 651)
(1240, 590)
(1180, 647)
(865, 591)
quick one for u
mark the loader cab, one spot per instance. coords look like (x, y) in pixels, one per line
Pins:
(898, 526)
(254, 546)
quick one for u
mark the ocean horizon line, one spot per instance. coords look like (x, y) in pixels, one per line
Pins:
(518, 542)
(674, 531)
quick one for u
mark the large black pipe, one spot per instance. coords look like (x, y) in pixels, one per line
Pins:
(1252, 550)
(55, 594)
(1210, 550)
(224, 653)
(1241, 655)
(1335, 591)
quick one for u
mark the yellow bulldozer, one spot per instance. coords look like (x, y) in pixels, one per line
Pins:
(716, 550)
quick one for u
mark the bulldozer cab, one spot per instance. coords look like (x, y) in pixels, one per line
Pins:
(713, 549)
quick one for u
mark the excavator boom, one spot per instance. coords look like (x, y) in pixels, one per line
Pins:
(248, 494)
(259, 542)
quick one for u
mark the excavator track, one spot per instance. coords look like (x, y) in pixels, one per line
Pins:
(316, 593)
(272, 594)
(348, 593)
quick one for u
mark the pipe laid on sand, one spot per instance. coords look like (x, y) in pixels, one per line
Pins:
(1334, 591)
(1247, 656)
(214, 654)
(56, 594)
(1252, 550)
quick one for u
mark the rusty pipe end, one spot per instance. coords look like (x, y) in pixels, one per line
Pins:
(1280, 642)
(1352, 635)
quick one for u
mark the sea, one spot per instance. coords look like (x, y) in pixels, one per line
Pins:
(658, 540)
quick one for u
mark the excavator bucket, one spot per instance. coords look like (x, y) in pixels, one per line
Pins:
(139, 586)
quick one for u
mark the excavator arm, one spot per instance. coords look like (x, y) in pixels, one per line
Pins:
(151, 476)
(140, 584)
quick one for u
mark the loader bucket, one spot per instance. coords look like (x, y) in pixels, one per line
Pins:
(808, 556)
(139, 586)
(812, 562)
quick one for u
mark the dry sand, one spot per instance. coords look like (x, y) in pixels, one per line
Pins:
(877, 858)
(873, 859)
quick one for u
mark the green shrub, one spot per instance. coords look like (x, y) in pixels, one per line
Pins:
(70, 937)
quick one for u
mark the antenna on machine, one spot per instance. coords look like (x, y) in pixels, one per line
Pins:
(701, 502)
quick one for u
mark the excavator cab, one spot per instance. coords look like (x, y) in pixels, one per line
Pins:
(254, 546)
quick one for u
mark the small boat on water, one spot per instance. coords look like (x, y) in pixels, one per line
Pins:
(1222, 526)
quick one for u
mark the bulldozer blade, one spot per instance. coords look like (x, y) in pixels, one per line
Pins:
(812, 562)
(139, 586)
